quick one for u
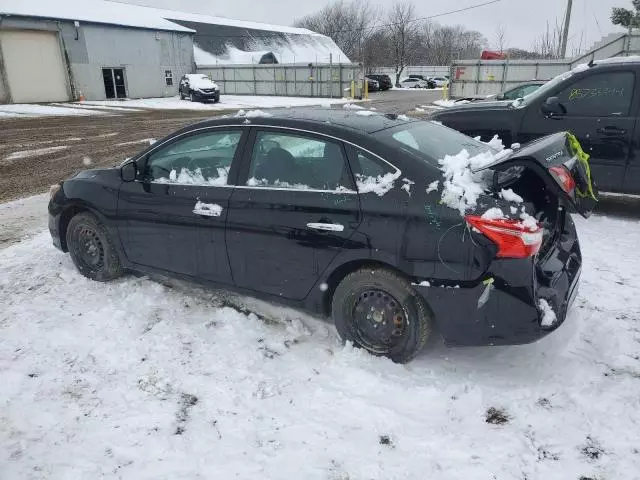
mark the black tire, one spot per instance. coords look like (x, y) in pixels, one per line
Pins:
(91, 248)
(398, 300)
(181, 96)
(192, 97)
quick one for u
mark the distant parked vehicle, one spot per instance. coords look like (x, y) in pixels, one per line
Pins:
(413, 83)
(440, 81)
(373, 85)
(198, 88)
(430, 83)
(384, 81)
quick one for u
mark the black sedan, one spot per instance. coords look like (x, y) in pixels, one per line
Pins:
(343, 214)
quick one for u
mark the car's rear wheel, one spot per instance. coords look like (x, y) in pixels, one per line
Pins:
(379, 311)
(91, 248)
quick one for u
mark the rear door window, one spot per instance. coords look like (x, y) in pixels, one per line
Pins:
(599, 95)
(299, 162)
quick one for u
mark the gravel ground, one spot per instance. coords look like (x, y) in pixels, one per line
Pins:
(37, 152)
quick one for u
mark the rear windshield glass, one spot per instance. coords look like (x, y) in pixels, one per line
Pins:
(430, 141)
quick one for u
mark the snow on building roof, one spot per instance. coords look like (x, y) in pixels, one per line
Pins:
(219, 40)
(119, 13)
(95, 11)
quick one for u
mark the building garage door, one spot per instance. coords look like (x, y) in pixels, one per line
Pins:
(34, 67)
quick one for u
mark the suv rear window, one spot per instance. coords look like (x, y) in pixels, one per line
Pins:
(430, 141)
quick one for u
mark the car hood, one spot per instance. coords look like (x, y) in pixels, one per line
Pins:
(479, 106)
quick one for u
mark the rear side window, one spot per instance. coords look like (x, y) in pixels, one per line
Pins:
(298, 162)
(599, 95)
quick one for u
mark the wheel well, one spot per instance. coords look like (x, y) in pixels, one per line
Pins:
(343, 270)
(65, 218)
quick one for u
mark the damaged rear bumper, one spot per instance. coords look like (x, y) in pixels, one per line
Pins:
(503, 308)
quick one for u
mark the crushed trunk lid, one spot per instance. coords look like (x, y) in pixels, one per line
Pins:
(549, 156)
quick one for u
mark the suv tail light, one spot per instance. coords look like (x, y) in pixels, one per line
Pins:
(513, 239)
(563, 176)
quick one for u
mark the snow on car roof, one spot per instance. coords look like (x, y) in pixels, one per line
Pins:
(116, 13)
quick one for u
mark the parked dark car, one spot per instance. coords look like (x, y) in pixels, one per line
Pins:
(430, 82)
(198, 88)
(329, 210)
(596, 103)
(384, 81)
(372, 84)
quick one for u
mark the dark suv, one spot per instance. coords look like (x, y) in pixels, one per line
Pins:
(198, 88)
(384, 81)
(595, 102)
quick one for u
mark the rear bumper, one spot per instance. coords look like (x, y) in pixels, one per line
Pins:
(503, 309)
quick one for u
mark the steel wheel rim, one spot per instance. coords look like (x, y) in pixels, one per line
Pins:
(379, 320)
(89, 247)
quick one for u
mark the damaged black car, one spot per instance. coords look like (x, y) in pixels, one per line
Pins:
(397, 229)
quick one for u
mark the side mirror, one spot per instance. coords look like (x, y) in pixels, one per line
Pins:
(500, 96)
(129, 172)
(552, 106)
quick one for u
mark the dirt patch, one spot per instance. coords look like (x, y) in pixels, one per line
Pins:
(592, 449)
(497, 416)
(90, 141)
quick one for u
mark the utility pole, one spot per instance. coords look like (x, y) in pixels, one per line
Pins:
(565, 31)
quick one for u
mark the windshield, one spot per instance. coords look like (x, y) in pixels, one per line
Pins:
(547, 87)
(430, 141)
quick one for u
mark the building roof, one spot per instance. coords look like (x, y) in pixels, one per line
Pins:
(126, 14)
(94, 11)
(218, 40)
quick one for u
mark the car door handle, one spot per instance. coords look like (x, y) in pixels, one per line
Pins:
(326, 227)
(611, 131)
(207, 209)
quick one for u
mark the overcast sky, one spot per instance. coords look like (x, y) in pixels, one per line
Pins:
(523, 20)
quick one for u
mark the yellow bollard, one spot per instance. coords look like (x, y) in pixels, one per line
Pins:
(353, 89)
(445, 92)
(366, 89)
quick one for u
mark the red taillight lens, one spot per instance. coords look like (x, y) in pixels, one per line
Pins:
(513, 239)
(563, 177)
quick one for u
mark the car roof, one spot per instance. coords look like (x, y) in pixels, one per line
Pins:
(354, 120)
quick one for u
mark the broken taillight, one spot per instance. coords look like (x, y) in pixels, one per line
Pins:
(513, 239)
(564, 178)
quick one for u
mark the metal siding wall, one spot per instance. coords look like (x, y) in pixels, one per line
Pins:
(283, 80)
(144, 54)
(479, 78)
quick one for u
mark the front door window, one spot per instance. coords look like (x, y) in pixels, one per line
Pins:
(203, 159)
(114, 85)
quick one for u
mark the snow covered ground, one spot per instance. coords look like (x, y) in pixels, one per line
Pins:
(140, 380)
(228, 102)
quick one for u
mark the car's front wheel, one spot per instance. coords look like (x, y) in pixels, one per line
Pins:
(91, 248)
(192, 97)
(379, 311)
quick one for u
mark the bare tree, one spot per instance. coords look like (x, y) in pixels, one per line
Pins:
(500, 35)
(548, 43)
(403, 32)
(349, 24)
(443, 44)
